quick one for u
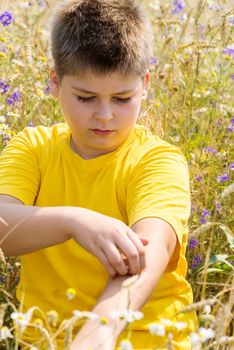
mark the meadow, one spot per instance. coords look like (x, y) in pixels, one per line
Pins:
(190, 104)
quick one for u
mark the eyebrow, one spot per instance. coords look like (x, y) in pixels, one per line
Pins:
(94, 93)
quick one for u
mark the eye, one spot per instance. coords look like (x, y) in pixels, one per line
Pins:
(85, 99)
(123, 100)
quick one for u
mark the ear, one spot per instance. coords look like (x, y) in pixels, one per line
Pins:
(54, 83)
(146, 85)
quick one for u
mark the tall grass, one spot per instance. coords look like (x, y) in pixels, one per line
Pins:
(190, 104)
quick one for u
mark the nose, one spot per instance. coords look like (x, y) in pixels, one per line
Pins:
(103, 113)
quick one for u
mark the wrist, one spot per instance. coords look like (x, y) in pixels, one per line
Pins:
(110, 323)
(69, 220)
(95, 334)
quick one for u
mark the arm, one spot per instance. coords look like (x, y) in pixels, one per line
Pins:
(25, 229)
(162, 243)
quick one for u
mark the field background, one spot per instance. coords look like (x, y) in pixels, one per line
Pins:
(190, 104)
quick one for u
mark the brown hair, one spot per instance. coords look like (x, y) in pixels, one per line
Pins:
(101, 35)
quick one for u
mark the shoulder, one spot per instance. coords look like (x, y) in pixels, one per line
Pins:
(148, 147)
(39, 136)
(43, 134)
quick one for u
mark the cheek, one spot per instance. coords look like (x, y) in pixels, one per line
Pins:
(71, 107)
(67, 104)
(125, 115)
(131, 108)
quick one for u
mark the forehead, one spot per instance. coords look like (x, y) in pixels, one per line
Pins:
(113, 80)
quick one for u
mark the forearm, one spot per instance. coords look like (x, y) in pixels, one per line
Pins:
(24, 229)
(123, 293)
(133, 291)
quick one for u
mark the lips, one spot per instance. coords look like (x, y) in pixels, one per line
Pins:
(102, 132)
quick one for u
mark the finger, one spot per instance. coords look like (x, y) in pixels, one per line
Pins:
(128, 248)
(104, 260)
(116, 259)
(125, 260)
(139, 245)
(144, 241)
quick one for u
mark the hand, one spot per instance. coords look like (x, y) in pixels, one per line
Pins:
(116, 246)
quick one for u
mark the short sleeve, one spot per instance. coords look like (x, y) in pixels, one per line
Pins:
(159, 187)
(19, 168)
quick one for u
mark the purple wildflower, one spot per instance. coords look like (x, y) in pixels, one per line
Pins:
(215, 7)
(184, 17)
(41, 4)
(210, 150)
(151, 95)
(232, 76)
(229, 50)
(205, 213)
(231, 21)
(218, 123)
(231, 166)
(193, 243)
(47, 88)
(223, 178)
(6, 18)
(178, 6)
(218, 207)
(202, 30)
(153, 61)
(4, 87)
(196, 261)
(2, 279)
(203, 220)
(13, 98)
(198, 178)
(230, 128)
(30, 123)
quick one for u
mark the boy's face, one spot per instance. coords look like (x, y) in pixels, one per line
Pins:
(90, 102)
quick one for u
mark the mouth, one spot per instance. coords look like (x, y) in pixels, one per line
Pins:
(102, 132)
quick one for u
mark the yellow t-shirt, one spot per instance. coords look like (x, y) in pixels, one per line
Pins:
(144, 177)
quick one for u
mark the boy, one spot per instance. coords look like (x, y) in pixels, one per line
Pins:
(92, 201)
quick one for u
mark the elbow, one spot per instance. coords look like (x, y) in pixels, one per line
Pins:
(7, 247)
(172, 243)
(5, 251)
